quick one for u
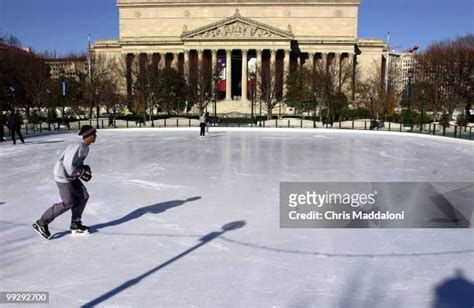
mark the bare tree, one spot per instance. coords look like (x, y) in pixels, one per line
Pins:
(172, 91)
(377, 96)
(200, 87)
(267, 87)
(104, 80)
(10, 40)
(300, 93)
(32, 76)
(446, 69)
(324, 86)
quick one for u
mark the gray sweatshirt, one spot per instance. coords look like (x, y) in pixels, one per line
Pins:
(72, 158)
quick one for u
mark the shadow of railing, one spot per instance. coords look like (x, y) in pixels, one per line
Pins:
(203, 240)
(347, 255)
(46, 142)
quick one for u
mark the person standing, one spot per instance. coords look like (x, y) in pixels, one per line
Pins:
(111, 119)
(13, 123)
(2, 122)
(202, 124)
(69, 170)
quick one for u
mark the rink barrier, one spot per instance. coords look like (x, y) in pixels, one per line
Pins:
(453, 131)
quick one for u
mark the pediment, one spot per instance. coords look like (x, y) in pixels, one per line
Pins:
(237, 27)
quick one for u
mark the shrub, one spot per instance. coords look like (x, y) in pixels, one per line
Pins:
(462, 120)
(444, 121)
(358, 113)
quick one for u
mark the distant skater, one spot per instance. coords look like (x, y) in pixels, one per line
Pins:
(111, 119)
(13, 122)
(68, 171)
(202, 124)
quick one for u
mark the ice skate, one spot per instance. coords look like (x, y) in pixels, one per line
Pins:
(77, 228)
(41, 229)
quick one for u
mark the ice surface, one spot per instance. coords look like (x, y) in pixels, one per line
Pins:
(160, 197)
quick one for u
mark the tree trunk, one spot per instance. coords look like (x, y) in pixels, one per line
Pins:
(269, 113)
(27, 109)
(435, 110)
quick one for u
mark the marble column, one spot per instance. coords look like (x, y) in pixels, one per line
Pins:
(214, 69)
(273, 69)
(311, 61)
(258, 75)
(149, 58)
(324, 57)
(214, 60)
(135, 67)
(174, 63)
(162, 60)
(286, 69)
(244, 74)
(338, 63)
(200, 53)
(186, 65)
(228, 75)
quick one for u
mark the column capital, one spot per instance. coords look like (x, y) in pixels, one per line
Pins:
(200, 51)
(214, 51)
(186, 51)
(228, 51)
(244, 51)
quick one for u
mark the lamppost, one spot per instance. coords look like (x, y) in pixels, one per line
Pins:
(11, 93)
(216, 78)
(252, 94)
(372, 120)
(328, 113)
(151, 109)
(49, 108)
(63, 91)
(97, 107)
(410, 77)
(315, 97)
(422, 118)
(371, 109)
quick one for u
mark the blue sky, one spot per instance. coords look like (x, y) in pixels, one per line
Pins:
(63, 25)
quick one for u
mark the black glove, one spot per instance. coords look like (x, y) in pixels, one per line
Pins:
(84, 173)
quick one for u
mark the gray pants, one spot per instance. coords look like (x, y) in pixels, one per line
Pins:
(74, 197)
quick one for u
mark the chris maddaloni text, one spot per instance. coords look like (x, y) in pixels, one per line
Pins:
(332, 215)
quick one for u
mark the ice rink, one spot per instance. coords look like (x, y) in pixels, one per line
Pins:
(183, 222)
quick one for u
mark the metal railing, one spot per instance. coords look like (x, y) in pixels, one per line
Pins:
(454, 131)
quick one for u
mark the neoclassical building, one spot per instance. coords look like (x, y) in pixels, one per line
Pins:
(239, 37)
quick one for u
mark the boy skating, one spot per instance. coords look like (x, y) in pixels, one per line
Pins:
(202, 125)
(69, 170)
